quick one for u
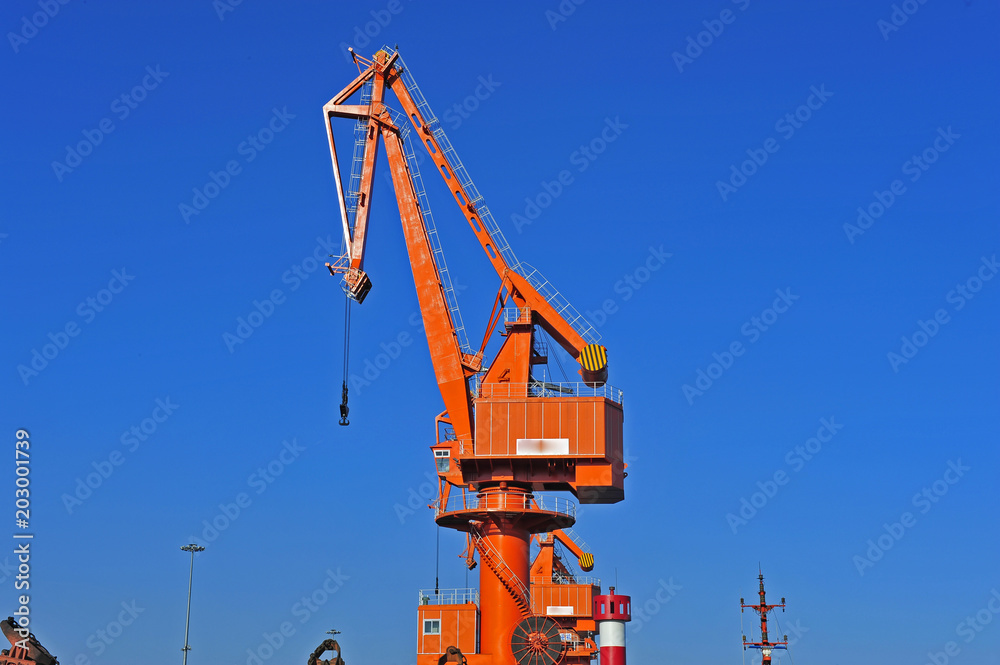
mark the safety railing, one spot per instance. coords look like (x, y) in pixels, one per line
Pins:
(500, 244)
(507, 502)
(516, 315)
(575, 579)
(341, 264)
(574, 643)
(562, 306)
(575, 537)
(475, 198)
(448, 596)
(489, 555)
(545, 389)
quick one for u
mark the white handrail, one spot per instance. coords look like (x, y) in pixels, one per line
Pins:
(548, 389)
(507, 502)
(448, 596)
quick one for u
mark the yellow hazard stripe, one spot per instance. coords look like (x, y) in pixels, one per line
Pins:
(587, 560)
(594, 357)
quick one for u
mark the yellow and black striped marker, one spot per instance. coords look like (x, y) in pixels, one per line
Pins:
(594, 357)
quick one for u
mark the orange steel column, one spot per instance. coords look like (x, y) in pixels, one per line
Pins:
(501, 520)
(500, 611)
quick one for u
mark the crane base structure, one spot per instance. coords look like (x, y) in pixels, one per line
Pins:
(506, 439)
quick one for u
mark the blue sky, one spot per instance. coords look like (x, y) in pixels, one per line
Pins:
(741, 138)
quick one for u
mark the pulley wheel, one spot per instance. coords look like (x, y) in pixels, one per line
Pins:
(536, 641)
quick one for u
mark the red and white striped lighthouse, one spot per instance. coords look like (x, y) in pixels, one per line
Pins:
(611, 611)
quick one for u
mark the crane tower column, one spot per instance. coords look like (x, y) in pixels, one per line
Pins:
(501, 595)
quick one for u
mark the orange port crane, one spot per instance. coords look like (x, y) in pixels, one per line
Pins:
(504, 436)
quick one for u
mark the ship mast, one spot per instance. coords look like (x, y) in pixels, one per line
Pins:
(765, 645)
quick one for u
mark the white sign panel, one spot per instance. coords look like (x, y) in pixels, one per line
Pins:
(543, 446)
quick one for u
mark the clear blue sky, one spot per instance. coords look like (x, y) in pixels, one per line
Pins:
(831, 104)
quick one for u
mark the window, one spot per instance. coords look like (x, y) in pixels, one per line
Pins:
(441, 458)
(432, 626)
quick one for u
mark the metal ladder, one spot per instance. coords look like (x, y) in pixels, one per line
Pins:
(450, 296)
(358, 159)
(492, 558)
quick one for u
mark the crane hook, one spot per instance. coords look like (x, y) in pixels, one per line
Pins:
(344, 410)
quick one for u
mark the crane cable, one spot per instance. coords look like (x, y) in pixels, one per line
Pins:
(344, 410)
(437, 561)
(555, 354)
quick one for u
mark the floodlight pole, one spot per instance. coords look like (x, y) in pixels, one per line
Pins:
(192, 548)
